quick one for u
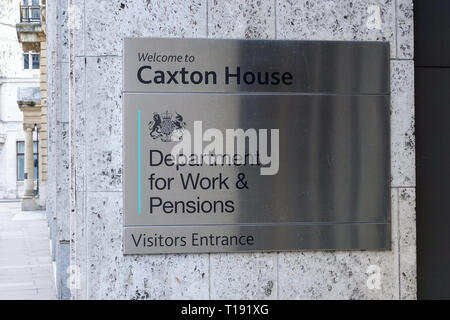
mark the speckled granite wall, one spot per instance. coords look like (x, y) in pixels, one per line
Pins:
(59, 178)
(95, 126)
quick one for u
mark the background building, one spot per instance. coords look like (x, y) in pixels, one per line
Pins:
(85, 152)
(31, 34)
(19, 75)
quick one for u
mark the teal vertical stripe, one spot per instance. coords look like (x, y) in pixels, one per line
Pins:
(139, 161)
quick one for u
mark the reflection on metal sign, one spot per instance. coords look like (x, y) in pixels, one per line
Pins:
(235, 145)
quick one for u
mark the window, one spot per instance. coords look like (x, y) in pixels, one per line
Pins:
(30, 11)
(26, 61)
(31, 2)
(21, 160)
(36, 60)
(31, 60)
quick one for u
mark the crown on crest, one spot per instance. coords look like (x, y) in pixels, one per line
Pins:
(166, 115)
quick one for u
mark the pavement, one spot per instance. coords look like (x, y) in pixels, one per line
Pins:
(26, 271)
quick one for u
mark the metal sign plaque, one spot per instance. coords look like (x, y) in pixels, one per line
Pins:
(253, 145)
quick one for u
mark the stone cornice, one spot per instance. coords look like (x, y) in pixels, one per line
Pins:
(31, 115)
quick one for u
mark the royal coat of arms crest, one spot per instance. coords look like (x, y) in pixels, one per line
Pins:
(167, 127)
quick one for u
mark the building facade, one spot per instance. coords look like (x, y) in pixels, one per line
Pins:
(31, 32)
(85, 183)
(19, 79)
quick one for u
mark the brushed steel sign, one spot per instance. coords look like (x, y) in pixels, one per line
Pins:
(289, 150)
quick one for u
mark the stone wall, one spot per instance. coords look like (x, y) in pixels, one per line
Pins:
(89, 139)
(43, 130)
(58, 172)
(11, 61)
